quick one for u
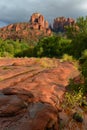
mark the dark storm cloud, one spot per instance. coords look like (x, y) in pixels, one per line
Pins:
(20, 10)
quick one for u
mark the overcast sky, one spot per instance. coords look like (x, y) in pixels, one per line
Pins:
(12, 11)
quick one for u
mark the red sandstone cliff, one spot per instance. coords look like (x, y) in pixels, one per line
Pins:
(60, 23)
(32, 30)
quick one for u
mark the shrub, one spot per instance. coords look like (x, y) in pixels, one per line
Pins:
(73, 99)
(67, 57)
(53, 46)
(10, 48)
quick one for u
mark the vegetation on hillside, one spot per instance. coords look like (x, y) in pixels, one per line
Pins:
(9, 48)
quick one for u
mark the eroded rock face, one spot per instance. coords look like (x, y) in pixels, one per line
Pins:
(38, 22)
(31, 91)
(36, 27)
(61, 22)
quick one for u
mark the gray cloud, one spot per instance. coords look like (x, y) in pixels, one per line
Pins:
(12, 11)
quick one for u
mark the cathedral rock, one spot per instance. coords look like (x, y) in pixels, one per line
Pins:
(36, 27)
(38, 22)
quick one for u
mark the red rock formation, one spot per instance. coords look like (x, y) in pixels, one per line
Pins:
(38, 19)
(46, 25)
(11, 27)
(31, 91)
(61, 22)
(23, 30)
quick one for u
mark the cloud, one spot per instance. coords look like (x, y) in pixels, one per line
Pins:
(12, 11)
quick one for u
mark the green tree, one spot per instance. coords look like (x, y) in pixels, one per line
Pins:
(78, 36)
(9, 48)
(82, 24)
(53, 46)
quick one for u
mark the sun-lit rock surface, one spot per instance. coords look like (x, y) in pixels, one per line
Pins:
(31, 91)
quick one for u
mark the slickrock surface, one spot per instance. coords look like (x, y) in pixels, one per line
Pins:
(31, 91)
